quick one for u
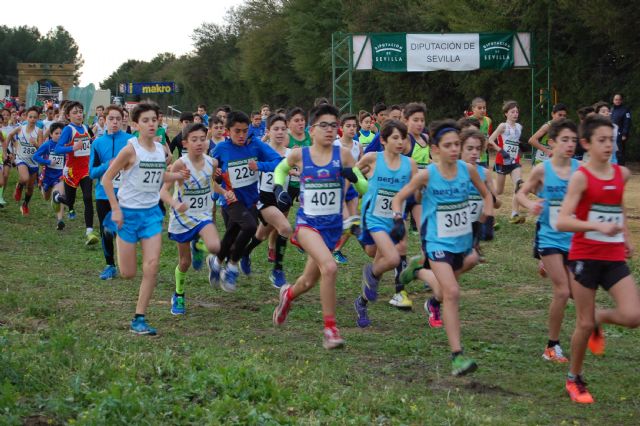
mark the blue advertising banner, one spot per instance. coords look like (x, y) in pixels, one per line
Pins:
(151, 88)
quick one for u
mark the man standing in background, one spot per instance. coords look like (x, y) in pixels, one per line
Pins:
(621, 116)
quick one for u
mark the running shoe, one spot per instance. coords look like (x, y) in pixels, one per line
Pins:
(578, 392)
(24, 209)
(228, 280)
(461, 365)
(109, 272)
(2, 202)
(278, 278)
(340, 258)
(596, 341)
(401, 301)
(433, 310)
(408, 274)
(271, 257)
(91, 239)
(361, 309)
(71, 215)
(245, 265)
(197, 256)
(139, 326)
(214, 271)
(332, 338)
(554, 354)
(349, 222)
(282, 310)
(60, 225)
(369, 283)
(177, 304)
(516, 219)
(17, 195)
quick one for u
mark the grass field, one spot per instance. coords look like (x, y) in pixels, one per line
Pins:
(66, 355)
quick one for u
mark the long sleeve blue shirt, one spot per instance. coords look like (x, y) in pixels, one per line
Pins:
(103, 150)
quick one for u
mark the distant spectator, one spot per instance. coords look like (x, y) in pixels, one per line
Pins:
(621, 116)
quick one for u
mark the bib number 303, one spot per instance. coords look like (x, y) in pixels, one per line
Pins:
(453, 220)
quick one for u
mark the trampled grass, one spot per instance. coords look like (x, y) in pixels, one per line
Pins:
(66, 355)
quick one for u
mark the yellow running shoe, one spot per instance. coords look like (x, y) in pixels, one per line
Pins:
(91, 239)
(401, 300)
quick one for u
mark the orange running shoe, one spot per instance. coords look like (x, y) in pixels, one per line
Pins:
(596, 341)
(17, 195)
(554, 354)
(578, 392)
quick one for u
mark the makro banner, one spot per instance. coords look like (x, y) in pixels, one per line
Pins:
(151, 88)
(433, 52)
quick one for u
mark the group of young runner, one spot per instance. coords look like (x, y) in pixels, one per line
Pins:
(364, 175)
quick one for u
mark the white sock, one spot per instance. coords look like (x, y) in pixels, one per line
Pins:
(216, 262)
(513, 214)
(231, 267)
(89, 230)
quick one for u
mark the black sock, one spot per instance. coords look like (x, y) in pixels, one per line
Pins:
(552, 343)
(399, 268)
(138, 316)
(362, 300)
(281, 246)
(27, 198)
(252, 244)
(21, 185)
(454, 355)
(435, 301)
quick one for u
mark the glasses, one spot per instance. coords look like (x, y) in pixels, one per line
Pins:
(324, 125)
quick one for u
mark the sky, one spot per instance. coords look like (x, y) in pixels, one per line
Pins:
(104, 31)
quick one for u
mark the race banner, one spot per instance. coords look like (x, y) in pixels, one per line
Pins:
(399, 52)
(151, 88)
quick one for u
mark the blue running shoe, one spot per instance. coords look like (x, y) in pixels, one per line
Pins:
(361, 309)
(245, 265)
(340, 258)
(71, 215)
(197, 256)
(214, 271)
(369, 283)
(228, 280)
(109, 272)
(277, 278)
(177, 304)
(140, 327)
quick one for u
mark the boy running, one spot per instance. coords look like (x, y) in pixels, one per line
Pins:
(53, 165)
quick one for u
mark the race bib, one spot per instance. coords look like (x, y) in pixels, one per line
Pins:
(267, 182)
(57, 162)
(554, 210)
(476, 203)
(322, 199)
(293, 178)
(541, 156)
(150, 175)
(26, 150)
(85, 150)
(453, 220)
(198, 200)
(382, 207)
(117, 181)
(605, 214)
(240, 174)
(512, 148)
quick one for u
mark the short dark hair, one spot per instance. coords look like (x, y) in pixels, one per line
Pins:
(413, 108)
(213, 120)
(466, 122)
(143, 107)
(379, 107)
(203, 106)
(322, 109)
(557, 126)
(389, 126)
(186, 116)
(265, 106)
(254, 113)
(395, 107)
(591, 123)
(348, 116)
(477, 100)
(193, 127)
(71, 105)
(507, 105)
(55, 126)
(599, 105)
(281, 111)
(197, 115)
(584, 112)
(273, 118)
(294, 111)
(363, 114)
(34, 109)
(559, 107)
(237, 117)
(439, 128)
(114, 108)
(320, 101)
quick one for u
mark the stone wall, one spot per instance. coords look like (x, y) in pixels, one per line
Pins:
(61, 74)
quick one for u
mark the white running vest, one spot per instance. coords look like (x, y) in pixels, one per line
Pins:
(140, 188)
